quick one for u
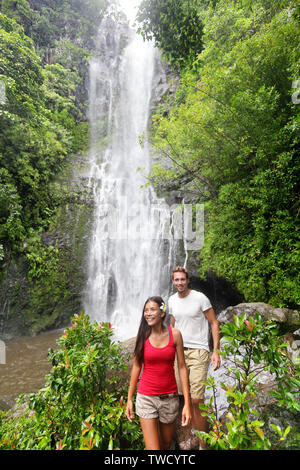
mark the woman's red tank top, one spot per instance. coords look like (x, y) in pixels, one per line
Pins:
(158, 375)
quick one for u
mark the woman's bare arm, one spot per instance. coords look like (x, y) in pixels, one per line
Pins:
(135, 373)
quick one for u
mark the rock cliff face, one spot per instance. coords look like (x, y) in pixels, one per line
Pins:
(289, 319)
(49, 301)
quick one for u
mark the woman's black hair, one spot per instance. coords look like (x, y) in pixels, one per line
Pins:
(144, 331)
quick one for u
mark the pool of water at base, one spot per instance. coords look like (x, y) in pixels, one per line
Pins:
(25, 365)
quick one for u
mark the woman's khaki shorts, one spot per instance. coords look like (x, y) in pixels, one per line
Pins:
(165, 408)
(197, 362)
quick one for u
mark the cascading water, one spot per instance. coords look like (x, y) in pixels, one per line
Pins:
(131, 253)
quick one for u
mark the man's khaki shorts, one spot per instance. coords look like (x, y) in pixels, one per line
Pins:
(165, 408)
(197, 362)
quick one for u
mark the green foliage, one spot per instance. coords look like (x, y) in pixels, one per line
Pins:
(59, 87)
(32, 146)
(41, 125)
(45, 50)
(81, 405)
(10, 209)
(175, 26)
(231, 140)
(251, 346)
(45, 21)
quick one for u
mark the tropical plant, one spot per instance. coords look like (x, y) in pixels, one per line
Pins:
(81, 405)
(251, 346)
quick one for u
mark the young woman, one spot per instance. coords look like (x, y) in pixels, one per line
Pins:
(157, 402)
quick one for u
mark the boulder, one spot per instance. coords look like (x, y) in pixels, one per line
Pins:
(128, 346)
(290, 318)
(6, 402)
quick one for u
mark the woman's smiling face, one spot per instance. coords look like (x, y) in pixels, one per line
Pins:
(153, 313)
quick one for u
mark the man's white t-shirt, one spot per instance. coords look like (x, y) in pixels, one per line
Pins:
(190, 319)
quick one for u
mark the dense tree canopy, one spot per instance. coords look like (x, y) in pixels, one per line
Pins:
(175, 26)
(45, 48)
(48, 22)
(231, 140)
(32, 145)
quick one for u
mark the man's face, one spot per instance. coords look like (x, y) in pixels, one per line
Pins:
(180, 282)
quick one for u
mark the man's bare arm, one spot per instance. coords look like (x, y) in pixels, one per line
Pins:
(215, 331)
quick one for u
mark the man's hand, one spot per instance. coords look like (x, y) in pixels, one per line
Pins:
(215, 360)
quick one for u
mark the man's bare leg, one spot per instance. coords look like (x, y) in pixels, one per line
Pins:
(199, 422)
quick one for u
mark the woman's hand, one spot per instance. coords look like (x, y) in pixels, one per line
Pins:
(186, 415)
(129, 410)
(135, 373)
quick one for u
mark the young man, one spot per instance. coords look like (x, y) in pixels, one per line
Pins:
(192, 312)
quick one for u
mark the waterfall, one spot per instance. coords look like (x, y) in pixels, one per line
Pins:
(131, 249)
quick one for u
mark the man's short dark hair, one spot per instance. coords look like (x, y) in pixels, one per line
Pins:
(180, 269)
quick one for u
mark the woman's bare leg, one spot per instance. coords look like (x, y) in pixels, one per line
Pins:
(151, 433)
(166, 432)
